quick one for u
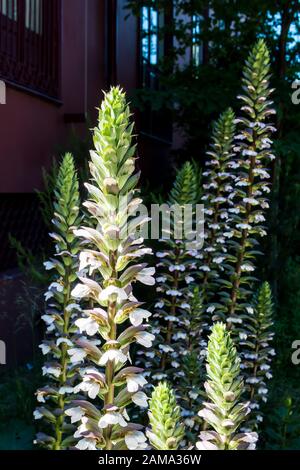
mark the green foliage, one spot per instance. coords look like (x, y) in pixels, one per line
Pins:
(283, 426)
(186, 186)
(46, 196)
(28, 263)
(61, 311)
(166, 431)
(224, 388)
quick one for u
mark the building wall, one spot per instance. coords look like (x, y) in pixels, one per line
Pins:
(31, 127)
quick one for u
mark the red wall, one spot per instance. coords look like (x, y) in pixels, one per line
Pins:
(31, 129)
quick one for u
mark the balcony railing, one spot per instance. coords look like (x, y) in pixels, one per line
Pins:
(30, 44)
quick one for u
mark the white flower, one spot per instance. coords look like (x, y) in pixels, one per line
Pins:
(250, 310)
(90, 386)
(259, 218)
(140, 399)
(45, 348)
(137, 316)
(76, 355)
(88, 325)
(250, 200)
(179, 335)
(166, 348)
(218, 259)
(59, 341)
(64, 390)
(48, 295)
(161, 255)
(252, 380)
(56, 286)
(204, 268)
(115, 355)
(145, 276)
(189, 279)
(48, 319)
(80, 291)
(37, 414)
(244, 226)
(159, 304)
(75, 413)
(117, 292)
(242, 336)
(211, 309)
(144, 338)
(174, 293)
(177, 267)
(193, 395)
(52, 370)
(87, 443)
(88, 259)
(73, 306)
(262, 391)
(40, 396)
(159, 376)
(135, 440)
(175, 364)
(135, 381)
(185, 305)
(49, 265)
(247, 268)
(250, 153)
(111, 418)
(161, 279)
(265, 367)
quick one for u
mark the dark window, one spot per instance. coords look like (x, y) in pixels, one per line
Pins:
(30, 44)
(149, 46)
(155, 123)
(197, 46)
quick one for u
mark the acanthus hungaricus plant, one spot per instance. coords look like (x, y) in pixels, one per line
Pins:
(218, 186)
(257, 352)
(110, 264)
(166, 431)
(196, 288)
(178, 318)
(61, 313)
(251, 185)
(224, 412)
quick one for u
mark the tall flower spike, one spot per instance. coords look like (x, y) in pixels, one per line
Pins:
(224, 412)
(61, 312)
(109, 266)
(176, 275)
(191, 349)
(253, 149)
(257, 352)
(218, 185)
(166, 430)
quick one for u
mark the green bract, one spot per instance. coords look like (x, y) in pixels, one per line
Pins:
(166, 431)
(61, 312)
(224, 412)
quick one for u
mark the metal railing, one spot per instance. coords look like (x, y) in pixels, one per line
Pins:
(30, 44)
